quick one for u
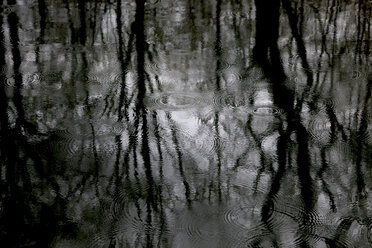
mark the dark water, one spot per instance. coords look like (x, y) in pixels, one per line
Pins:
(165, 123)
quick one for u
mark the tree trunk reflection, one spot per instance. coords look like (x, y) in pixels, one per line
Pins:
(191, 123)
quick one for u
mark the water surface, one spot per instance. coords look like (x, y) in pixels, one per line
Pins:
(185, 123)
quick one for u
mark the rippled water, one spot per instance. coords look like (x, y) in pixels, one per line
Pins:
(185, 123)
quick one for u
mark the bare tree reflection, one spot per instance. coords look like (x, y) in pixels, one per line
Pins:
(26, 221)
(152, 135)
(266, 54)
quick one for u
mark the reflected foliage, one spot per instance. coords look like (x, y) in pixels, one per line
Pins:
(132, 123)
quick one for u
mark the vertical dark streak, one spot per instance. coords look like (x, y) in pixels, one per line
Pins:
(83, 25)
(358, 45)
(218, 88)
(306, 182)
(163, 223)
(218, 45)
(303, 158)
(146, 158)
(324, 183)
(368, 35)
(360, 137)
(90, 119)
(219, 155)
(93, 24)
(13, 22)
(139, 27)
(179, 158)
(17, 218)
(149, 233)
(140, 48)
(333, 51)
(266, 55)
(117, 162)
(3, 96)
(124, 63)
(300, 44)
(362, 38)
(74, 38)
(43, 16)
(9, 152)
(268, 204)
(258, 141)
(132, 145)
(95, 155)
(302, 17)
(266, 51)
(334, 122)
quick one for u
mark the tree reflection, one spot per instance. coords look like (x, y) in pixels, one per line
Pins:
(160, 123)
(25, 220)
(294, 120)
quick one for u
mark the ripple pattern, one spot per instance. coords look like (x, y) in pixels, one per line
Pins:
(190, 226)
(356, 74)
(61, 146)
(117, 77)
(176, 101)
(230, 101)
(242, 217)
(157, 66)
(320, 129)
(266, 110)
(9, 81)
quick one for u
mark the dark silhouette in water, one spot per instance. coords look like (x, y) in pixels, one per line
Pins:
(104, 155)
(266, 54)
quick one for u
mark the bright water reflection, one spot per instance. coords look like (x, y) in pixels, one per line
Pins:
(185, 123)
